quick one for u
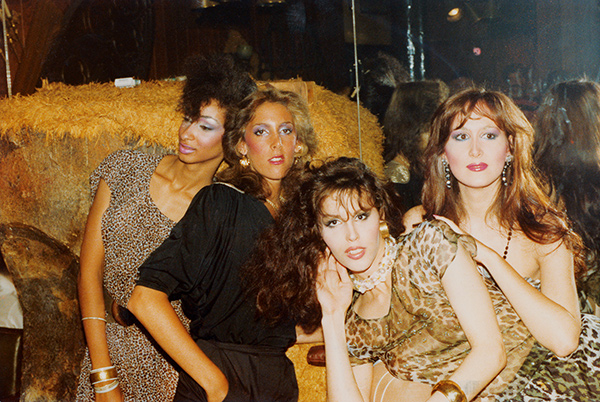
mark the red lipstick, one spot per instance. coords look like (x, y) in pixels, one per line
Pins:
(477, 167)
(355, 253)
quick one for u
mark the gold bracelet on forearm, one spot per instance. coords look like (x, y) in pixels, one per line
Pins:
(93, 318)
(103, 374)
(107, 388)
(450, 390)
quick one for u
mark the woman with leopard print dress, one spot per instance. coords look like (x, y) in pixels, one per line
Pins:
(481, 177)
(413, 339)
(138, 198)
(409, 308)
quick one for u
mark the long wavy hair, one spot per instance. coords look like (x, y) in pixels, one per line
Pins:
(247, 179)
(282, 272)
(567, 151)
(215, 77)
(523, 203)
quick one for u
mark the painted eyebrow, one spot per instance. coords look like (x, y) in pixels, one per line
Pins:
(327, 216)
(208, 118)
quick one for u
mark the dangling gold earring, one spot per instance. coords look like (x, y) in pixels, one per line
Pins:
(245, 162)
(384, 230)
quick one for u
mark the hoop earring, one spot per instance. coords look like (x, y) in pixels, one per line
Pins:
(245, 162)
(447, 174)
(384, 230)
(507, 164)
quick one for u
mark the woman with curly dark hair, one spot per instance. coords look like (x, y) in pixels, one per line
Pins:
(228, 353)
(481, 177)
(138, 199)
(410, 324)
(567, 151)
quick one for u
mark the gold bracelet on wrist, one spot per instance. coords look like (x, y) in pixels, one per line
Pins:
(103, 374)
(104, 380)
(450, 390)
(93, 318)
(107, 388)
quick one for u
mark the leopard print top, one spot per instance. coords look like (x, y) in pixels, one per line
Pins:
(132, 227)
(420, 339)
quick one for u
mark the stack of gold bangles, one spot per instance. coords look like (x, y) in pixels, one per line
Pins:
(102, 375)
(451, 390)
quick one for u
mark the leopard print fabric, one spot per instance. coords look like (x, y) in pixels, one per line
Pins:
(547, 377)
(132, 227)
(420, 339)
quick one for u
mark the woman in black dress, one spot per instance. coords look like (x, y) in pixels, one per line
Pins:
(228, 355)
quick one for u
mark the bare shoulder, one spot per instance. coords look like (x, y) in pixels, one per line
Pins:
(530, 259)
(551, 251)
(412, 218)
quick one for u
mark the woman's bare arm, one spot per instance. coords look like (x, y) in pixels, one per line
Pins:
(334, 290)
(552, 315)
(471, 302)
(154, 310)
(90, 288)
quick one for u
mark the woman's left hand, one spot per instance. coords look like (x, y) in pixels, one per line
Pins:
(334, 286)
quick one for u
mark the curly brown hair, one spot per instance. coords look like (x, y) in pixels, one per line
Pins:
(235, 129)
(282, 272)
(522, 203)
(214, 77)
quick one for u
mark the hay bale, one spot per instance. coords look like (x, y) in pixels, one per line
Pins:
(145, 116)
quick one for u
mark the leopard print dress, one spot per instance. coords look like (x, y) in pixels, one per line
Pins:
(132, 227)
(547, 377)
(420, 339)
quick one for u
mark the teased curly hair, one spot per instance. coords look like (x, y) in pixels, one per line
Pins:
(235, 129)
(282, 272)
(523, 203)
(215, 77)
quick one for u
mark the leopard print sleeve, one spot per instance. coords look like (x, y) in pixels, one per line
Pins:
(111, 169)
(437, 244)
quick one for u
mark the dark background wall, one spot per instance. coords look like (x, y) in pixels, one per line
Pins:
(79, 41)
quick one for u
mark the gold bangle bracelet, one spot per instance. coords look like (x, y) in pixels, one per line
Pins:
(107, 388)
(108, 379)
(104, 374)
(93, 318)
(451, 390)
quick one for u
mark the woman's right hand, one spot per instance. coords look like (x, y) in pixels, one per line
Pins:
(334, 286)
(154, 310)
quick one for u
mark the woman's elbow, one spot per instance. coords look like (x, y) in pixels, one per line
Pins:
(501, 359)
(494, 353)
(567, 345)
(497, 354)
(141, 301)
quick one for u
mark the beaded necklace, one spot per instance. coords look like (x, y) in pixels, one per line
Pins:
(271, 203)
(385, 266)
(510, 233)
